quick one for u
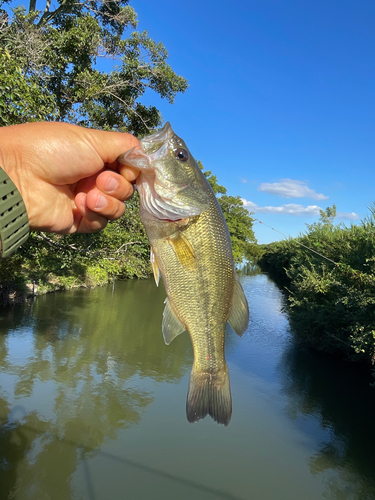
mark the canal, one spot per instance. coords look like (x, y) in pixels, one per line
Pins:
(92, 406)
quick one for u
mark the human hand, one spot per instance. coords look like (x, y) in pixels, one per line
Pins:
(67, 175)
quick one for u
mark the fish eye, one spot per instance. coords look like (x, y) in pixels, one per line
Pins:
(181, 154)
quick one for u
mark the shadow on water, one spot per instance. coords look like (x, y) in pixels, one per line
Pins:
(15, 440)
(339, 396)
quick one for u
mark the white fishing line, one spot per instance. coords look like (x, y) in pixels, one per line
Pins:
(298, 243)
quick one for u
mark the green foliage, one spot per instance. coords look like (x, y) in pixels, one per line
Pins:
(22, 100)
(326, 218)
(95, 275)
(53, 54)
(328, 215)
(53, 262)
(240, 226)
(331, 300)
(49, 71)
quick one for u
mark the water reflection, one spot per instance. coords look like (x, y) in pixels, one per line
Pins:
(88, 406)
(339, 396)
(249, 268)
(72, 368)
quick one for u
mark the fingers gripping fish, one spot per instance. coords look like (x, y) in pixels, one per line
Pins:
(191, 250)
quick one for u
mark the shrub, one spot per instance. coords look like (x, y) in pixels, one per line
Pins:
(331, 296)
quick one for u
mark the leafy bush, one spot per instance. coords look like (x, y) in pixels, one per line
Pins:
(331, 300)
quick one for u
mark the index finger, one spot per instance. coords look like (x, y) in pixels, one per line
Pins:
(110, 145)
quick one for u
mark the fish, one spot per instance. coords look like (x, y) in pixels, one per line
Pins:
(191, 250)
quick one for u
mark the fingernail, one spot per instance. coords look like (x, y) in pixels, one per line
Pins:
(101, 202)
(111, 184)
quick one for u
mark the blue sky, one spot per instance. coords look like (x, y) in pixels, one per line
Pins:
(281, 101)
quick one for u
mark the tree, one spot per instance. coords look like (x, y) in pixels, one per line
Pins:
(326, 219)
(50, 70)
(328, 215)
(20, 96)
(57, 52)
(240, 225)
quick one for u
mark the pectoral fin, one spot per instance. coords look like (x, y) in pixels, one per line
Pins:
(171, 326)
(155, 267)
(183, 250)
(239, 316)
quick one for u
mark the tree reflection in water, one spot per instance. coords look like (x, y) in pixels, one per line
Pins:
(78, 368)
(72, 370)
(340, 397)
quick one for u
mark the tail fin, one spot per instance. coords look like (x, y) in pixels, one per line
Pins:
(209, 394)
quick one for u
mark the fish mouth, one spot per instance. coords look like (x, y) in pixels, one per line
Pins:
(152, 148)
(155, 145)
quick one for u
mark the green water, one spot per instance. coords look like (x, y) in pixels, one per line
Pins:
(92, 406)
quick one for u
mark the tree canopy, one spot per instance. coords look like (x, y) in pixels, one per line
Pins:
(326, 219)
(55, 56)
(328, 215)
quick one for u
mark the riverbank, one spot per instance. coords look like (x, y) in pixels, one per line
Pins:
(27, 286)
(37, 269)
(13, 293)
(329, 275)
(50, 262)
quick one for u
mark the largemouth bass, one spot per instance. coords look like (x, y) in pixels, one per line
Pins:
(191, 250)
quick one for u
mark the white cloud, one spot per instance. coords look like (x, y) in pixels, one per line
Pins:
(289, 209)
(244, 181)
(347, 215)
(249, 204)
(289, 188)
(294, 209)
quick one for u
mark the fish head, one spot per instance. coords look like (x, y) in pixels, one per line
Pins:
(171, 186)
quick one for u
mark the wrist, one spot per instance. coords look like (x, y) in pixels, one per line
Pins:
(14, 222)
(12, 155)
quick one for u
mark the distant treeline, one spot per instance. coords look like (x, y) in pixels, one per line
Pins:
(331, 296)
